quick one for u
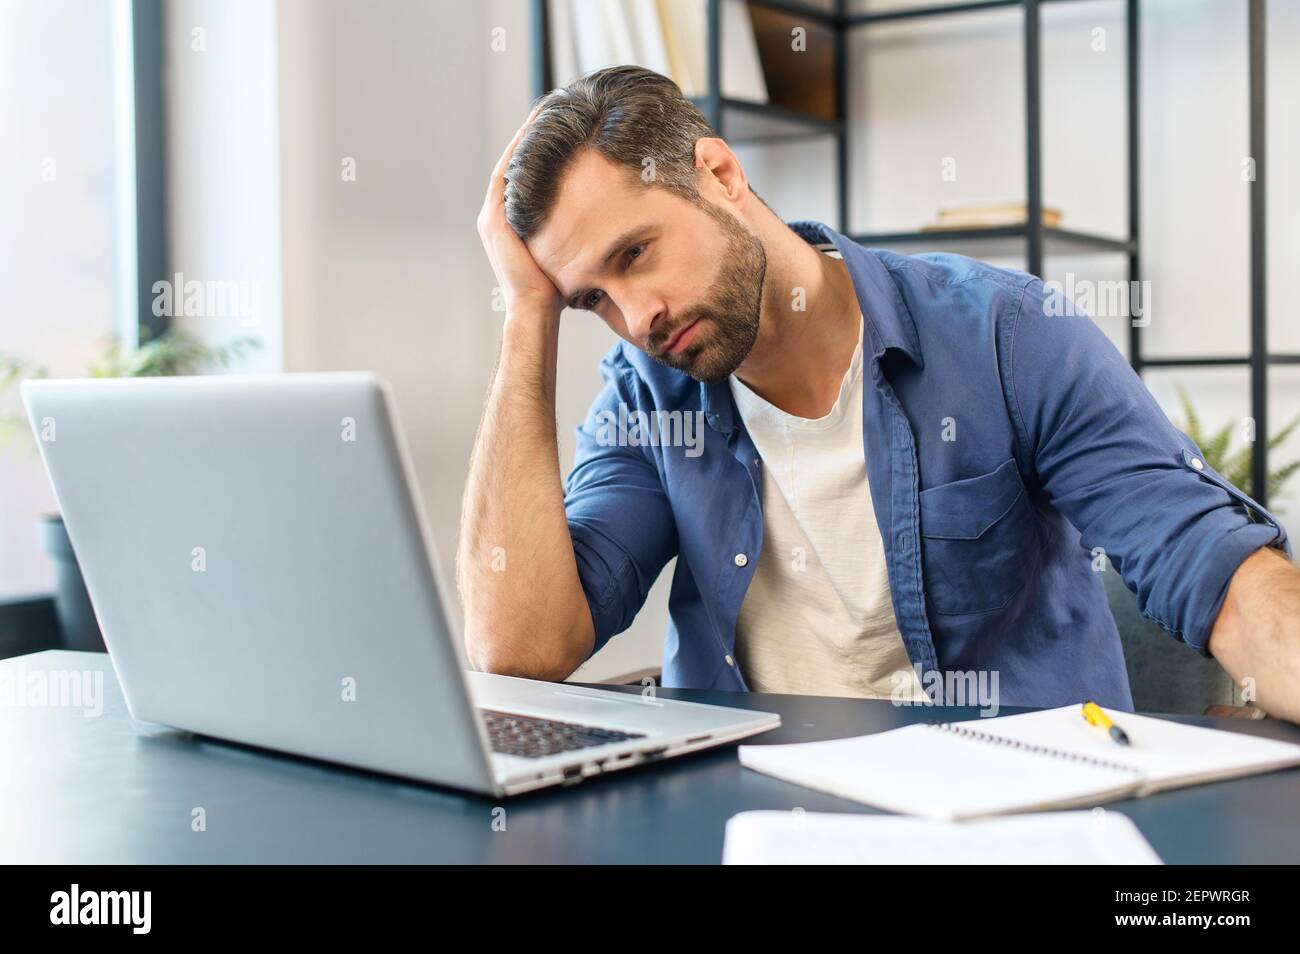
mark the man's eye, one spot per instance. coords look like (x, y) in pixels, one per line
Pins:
(592, 299)
(635, 251)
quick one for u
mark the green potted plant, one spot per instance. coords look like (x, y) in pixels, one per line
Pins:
(171, 353)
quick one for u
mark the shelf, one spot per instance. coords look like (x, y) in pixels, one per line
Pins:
(1002, 242)
(828, 16)
(744, 122)
(1210, 361)
(934, 10)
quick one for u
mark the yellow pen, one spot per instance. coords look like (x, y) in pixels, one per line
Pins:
(1092, 712)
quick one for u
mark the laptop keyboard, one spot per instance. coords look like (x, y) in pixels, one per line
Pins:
(534, 738)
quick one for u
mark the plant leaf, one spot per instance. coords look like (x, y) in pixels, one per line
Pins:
(1192, 427)
(1280, 437)
(1216, 447)
(1278, 478)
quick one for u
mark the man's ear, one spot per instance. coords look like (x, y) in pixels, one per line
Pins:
(720, 174)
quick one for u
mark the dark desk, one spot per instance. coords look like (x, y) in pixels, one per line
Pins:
(107, 790)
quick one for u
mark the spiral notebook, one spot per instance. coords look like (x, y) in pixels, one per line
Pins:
(1029, 762)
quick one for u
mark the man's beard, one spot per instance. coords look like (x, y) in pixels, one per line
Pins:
(730, 310)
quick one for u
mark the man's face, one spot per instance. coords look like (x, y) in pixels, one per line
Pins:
(684, 283)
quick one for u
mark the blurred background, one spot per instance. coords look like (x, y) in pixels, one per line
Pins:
(303, 176)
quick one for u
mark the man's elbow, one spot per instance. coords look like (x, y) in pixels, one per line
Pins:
(504, 654)
(503, 662)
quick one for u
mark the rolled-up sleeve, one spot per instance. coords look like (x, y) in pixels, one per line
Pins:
(1131, 483)
(619, 517)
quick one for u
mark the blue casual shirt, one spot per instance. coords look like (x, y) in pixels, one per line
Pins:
(1008, 446)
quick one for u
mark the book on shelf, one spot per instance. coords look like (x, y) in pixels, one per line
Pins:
(988, 215)
(667, 36)
(798, 57)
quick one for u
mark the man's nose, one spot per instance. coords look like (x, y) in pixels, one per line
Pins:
(643, 316)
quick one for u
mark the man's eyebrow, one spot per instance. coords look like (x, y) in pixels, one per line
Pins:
(616, 246)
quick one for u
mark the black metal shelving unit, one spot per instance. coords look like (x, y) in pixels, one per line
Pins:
(746, 122)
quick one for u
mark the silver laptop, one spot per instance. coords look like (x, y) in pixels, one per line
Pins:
(262, 572)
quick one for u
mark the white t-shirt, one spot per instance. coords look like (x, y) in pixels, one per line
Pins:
(817, 618)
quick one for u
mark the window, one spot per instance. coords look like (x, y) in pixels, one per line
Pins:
(58, 180)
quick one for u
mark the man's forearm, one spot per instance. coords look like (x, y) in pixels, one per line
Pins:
(525, 611)
(1256, 636)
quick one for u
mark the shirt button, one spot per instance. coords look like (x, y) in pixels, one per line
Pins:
(730, 661)
(1198, 464)
(741, 559)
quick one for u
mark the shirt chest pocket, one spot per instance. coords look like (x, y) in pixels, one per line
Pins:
(979, 541)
